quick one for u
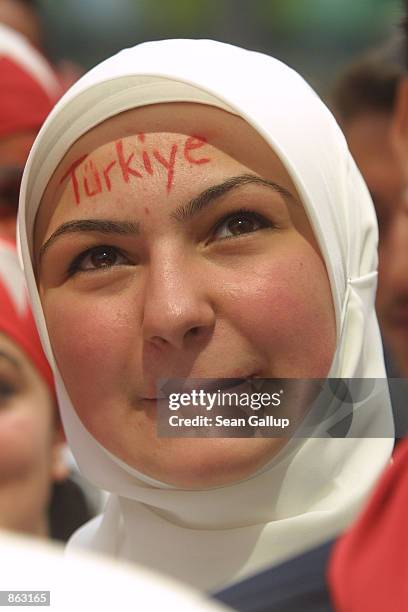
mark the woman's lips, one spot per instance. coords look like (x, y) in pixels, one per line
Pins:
(206, 384)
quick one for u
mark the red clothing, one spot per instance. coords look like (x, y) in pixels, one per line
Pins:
(368, 570)
(24, 104)
(29, 87)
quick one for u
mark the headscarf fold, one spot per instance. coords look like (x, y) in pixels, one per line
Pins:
(314, 487)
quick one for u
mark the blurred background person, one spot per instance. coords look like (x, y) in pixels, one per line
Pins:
(366, 569)
(36, 496)
(29, 88)
(28, 91)
(364, 100)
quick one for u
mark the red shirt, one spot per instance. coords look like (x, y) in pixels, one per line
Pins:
(368, 570)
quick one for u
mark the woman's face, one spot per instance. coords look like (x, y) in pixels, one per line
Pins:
(171, 243)
(29, 445)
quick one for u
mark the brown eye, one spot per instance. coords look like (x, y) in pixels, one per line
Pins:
(103, 257)
(240, 223)
(97, 258)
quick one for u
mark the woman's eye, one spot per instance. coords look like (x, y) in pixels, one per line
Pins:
(240, 223)
(97, 258)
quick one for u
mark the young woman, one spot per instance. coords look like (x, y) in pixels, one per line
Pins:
(190, 210)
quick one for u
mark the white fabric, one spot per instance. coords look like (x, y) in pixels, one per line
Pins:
(86, 582)
(12, 279)
(314, 487)
(15, 46)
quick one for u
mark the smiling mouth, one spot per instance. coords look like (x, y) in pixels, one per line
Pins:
(208, 385)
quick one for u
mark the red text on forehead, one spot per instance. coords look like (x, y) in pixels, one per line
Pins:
(71, 172)
(129, 164)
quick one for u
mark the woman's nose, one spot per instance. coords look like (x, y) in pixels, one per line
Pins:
(177, 308)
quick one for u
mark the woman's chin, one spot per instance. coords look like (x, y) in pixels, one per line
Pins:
(205, 463)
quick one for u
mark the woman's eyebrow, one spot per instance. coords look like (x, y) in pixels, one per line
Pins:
(207, 197)
(182, 213)
(101, 226)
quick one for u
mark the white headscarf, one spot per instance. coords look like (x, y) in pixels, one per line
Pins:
(88, 581)
(215, 537)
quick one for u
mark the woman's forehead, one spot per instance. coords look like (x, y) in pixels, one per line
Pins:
(193, 126)
(155, 165)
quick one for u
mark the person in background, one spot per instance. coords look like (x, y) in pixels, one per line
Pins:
(369, 565)
(35, 496)
(364, 100)
(365, 570)
(28, 91)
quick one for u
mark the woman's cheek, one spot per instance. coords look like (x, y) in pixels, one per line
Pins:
(93, 338)
(286, 310)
